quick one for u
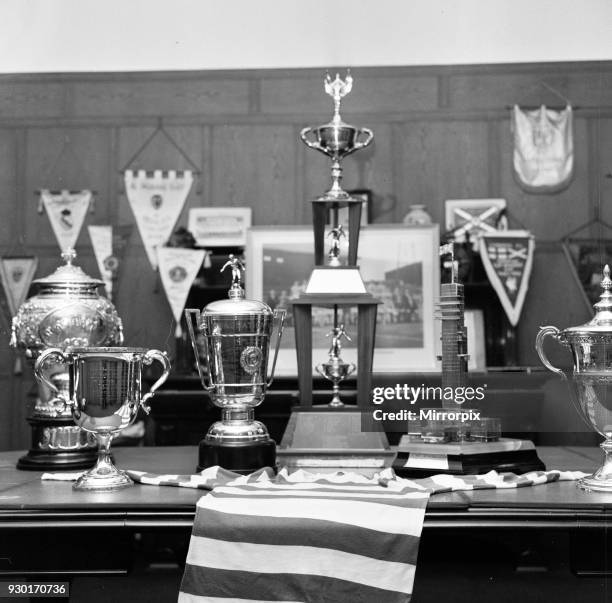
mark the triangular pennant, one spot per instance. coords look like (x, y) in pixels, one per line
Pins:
(586, 258)
(102, 243)
(17, 274)
(178, 268)
(543, 157)
(66, 211)
(508, 258)
(157, 199)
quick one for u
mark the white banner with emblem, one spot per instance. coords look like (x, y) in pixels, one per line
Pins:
(543, 158)
(66, 211)
(178, 268)
(157, 199)
(508, 258)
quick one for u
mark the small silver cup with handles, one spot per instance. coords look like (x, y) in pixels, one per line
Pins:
(104, 396)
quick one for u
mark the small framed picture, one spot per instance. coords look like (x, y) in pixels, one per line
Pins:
(219, 226)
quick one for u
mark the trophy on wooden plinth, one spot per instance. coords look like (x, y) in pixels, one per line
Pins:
(236, 333)
(456, 439)
(67, 311)
(331, 435)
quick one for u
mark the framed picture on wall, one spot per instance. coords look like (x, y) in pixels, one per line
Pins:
(399, 266)
(219, 226)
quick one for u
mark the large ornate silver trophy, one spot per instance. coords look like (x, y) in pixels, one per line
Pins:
(337, 139)
(66, 311)
(591, 378)
(104, 396)
(236, 335)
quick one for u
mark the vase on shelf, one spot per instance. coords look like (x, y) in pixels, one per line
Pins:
(417, 216)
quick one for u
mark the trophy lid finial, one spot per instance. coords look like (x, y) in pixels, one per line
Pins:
(338, 89)
(603, 308)
(69, 255)
(236, 291)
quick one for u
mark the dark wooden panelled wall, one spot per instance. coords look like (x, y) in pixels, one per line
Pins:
(440, 133)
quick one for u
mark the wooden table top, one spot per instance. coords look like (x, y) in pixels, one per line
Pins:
(27, 501)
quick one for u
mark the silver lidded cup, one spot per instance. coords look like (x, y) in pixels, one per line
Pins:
(104, 395)
(591, 378)
(236, 335)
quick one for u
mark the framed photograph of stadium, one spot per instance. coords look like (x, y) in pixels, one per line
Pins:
(399, 266)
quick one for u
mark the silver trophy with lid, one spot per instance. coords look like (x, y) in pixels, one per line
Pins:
(66, 311)
(591, 378)
(236, 334)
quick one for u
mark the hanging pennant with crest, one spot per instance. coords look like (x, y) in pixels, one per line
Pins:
(66, 211)
(178, 268)
(543, 157)
(508, 258)
(157, 199)
(17, 274)
(102, 243)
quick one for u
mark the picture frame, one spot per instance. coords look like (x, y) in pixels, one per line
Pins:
(219, 226)
(399, 265)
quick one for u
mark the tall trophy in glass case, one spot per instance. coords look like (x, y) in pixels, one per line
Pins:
(236, 335)
(590, 380)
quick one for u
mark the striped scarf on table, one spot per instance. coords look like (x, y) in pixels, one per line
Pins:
(313, 537)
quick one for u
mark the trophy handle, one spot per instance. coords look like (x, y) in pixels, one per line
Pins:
(313, 144)
(189, 312)
(539, 346)
(42, 378)
(321, 372)
(352, 369)
(162, 358)
(364, 143)
(279, 320)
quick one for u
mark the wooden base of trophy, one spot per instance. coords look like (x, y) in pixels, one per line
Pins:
(420, 459)
(325, 436)
(53, 450)
(321, 437)
(243, 458)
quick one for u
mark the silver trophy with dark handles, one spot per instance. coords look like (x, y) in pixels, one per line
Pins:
(104, 395)
(236, 335)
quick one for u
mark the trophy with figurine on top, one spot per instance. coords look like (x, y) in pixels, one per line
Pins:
(331, 434)
(455, 439)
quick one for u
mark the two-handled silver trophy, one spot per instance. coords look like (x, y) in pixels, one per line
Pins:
(104, 396)
(335, 369)
(590, 380)
(236, 334)
(337, 139)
